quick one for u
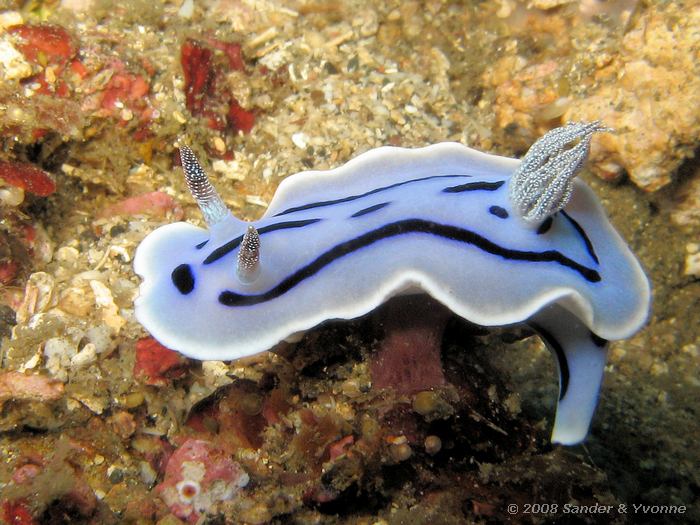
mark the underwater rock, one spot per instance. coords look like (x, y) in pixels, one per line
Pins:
(8, 271)
(686, 209)
(235, 411)
(206, 92)
(27, 177)
(47, 44)
(123, 89)
(28, 387)
(692, 259)
(527, 97)
(649, 94)
(17, 513)
(199, 78)
(157, 365)
(51, 49)
(198, 476)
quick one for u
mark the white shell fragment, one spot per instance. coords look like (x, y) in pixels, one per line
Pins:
(439, 220)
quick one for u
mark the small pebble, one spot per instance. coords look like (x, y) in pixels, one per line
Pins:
(131, 400)
(50, 75)
(425, 403)
(148, 474)
(179, 117)
(351, 388)
(433, 444)
(85, 357)
(186, 9)
(300, 140)
(115, 474)
(251, 404)
(401, 452)
(219, 144)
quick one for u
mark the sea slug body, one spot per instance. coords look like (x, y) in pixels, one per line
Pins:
(499, 241)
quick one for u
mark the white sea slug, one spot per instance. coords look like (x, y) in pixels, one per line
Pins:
(499, 241)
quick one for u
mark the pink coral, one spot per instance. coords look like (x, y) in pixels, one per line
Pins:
(197, 477)
(154, 203)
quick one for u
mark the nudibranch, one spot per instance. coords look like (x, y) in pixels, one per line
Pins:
(499, 241)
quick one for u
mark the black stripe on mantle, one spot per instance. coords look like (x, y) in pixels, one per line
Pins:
(350, 198)
(584, 236)
(370, 209)
(227, 248)
(454, 233)
(475, 186)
